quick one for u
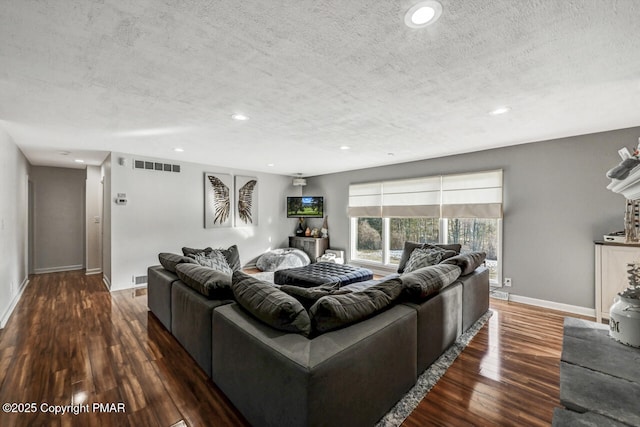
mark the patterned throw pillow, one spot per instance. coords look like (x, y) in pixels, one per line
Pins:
(215, 260)
(422, 258)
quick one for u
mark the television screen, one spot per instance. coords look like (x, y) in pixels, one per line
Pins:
(305, 207)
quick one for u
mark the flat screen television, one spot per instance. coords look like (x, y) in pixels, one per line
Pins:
(305, 207)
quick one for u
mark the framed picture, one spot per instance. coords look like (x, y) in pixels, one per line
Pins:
(246, 200)
(218, 200)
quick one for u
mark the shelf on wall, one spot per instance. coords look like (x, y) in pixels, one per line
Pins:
(629, 187)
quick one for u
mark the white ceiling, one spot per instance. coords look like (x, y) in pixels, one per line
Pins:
(146, 76)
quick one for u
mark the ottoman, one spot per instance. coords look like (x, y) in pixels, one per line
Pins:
(321, 273)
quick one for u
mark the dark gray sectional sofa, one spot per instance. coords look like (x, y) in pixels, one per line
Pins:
(351, 376)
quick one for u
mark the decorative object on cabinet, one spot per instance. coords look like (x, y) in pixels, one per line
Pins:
(632, 221)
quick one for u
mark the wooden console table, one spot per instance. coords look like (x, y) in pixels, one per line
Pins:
(599, 378)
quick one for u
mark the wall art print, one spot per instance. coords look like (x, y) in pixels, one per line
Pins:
(247, 201)
(218, 200)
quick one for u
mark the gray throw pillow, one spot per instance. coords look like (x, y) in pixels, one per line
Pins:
(308, 296)
(421, 283)
(467, 262)
(422, 258)
(232, 256)
(215, 260)
(270, 305)
(410, 246)
(336, 311)
(192, 251)
(211, 283)
(169, 261)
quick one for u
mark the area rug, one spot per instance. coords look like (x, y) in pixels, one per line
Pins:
(430, 377)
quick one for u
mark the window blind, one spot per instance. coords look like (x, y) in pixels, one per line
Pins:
(365, 200)
(411, 198)
(472, 195)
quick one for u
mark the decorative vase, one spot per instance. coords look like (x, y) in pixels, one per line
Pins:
(624, 321)
(307, 232)
(300, 229)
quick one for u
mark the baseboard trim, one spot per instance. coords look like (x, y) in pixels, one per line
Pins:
(58, 269)
(92, 271)
(106, 282)
(14, 303)
(574, 309)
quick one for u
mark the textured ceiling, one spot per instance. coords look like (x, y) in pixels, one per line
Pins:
(144, 77)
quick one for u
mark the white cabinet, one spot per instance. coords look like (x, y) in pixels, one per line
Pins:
(612, 273)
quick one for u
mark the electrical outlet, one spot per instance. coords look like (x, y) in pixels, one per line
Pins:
(507, 282)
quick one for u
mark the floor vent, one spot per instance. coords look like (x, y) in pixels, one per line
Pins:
(499, 295)
(155, 166)
(140, 280)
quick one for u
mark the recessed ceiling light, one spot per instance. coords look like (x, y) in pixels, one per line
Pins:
(345, 147)
(178, 150)
(270, 165)
(422, 14)
(239, 116)
(500, 110)
(79, 161)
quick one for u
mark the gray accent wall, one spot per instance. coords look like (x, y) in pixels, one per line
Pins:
(59, 218)
(14, 175)
(555, 205)
(165, 211)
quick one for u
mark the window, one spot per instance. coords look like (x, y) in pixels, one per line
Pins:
(464, 209)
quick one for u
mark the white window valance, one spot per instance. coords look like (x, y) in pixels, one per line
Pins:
(471, 195)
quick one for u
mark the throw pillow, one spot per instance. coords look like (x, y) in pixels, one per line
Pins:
(211, 283)
(422, 258)
(410, 246)
(215, 260)
(232, 256)
(169, 261)
(467, 262)
(191, 251)
(270, 305)
(336, 311)
(423, 282)
(308, 296)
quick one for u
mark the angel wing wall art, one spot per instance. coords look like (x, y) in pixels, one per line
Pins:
(247, 205)
(218, 200)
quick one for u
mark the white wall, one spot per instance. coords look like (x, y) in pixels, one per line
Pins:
(93, 220)
(14, 170)
(165, 211)
(59, 218)
(555, 205)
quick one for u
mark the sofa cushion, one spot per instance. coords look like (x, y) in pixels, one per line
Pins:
(169, 260)
(422, 258)
(308, 296)
(467, 262)
(269, 304)
(192, 251)
(231, 254)
(336, 311)
(214, 260)
(421, 283)
(410, 246)
(211, 283)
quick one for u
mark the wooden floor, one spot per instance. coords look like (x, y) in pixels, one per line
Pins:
(69, 341)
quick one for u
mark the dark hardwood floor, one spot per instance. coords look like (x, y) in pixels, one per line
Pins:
(69, 341)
